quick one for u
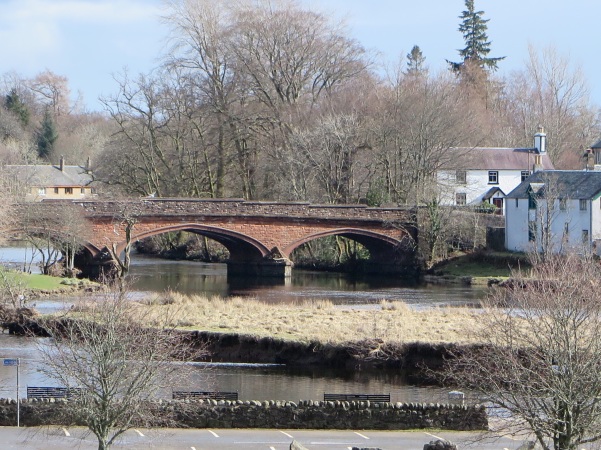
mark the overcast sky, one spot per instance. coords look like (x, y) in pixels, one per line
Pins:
(90, 40)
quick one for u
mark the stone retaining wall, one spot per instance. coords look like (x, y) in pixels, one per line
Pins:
(274, 414)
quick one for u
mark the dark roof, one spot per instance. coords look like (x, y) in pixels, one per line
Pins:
(574, 184)
(495, 158)
(50, 176)
(492, 191)
(597, 144)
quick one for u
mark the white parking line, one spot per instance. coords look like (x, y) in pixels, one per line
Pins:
(362, 435)
(286, 434)
(66, 432)
(434, 436)
(139, 432)
(213, 433)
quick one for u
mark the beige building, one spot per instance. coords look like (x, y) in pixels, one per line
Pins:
(44, 181)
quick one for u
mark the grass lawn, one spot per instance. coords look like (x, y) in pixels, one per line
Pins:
(38, 282)
(41, 282)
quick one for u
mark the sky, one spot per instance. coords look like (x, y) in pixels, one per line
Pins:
(91, 41)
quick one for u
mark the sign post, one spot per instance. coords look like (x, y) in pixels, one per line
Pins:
(15, 362)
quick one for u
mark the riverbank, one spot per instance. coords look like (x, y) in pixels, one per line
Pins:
(477, 268)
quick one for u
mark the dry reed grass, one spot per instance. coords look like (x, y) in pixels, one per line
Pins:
(315, 320)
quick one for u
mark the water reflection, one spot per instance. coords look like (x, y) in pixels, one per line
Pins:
(251, 381)
(151, 274)
(189, 277)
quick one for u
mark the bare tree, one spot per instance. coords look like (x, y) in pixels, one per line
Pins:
(328, 153)
(116, 362)
(553, 92)
(422, 119)
(7, 203)
(540, 354)
(56, 232)
(51, 90)
(125, 219)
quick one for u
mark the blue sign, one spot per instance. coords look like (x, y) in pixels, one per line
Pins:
(11, 362)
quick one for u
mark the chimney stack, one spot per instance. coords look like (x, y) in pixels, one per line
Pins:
(540, 141)
(589, 159)
(540, 146)
(61, 164)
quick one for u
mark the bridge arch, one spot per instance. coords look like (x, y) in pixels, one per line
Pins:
(374, 242)
(240, 246)
(387, 255)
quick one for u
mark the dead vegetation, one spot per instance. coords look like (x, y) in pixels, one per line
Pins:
(316, 320)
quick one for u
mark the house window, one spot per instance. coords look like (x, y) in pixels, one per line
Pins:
(82, 190)
(532, 231)
(531, 201)
(68, 190)
(585, 236)
(460, 199)
(493, 177)
(56, 190)
(525, 174)
(566, 229)
(42, 191)
(563, 204)
(583, 203)
(461, 177)
(517, 202)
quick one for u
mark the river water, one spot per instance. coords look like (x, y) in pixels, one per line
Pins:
(251, 381)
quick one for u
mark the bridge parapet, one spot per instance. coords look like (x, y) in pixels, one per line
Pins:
(241, 208)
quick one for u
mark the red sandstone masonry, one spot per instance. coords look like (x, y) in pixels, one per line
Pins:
(264, 225)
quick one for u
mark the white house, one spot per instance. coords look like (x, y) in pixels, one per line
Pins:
(487, 174)
(555, 210)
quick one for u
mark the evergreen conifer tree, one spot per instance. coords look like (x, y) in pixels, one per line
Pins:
(416, 62)
(14, 104)
(477, 46)
(47, 136)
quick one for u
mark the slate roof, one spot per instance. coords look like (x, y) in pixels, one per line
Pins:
(596, 144)
(495, 158)
(492, 191)
(575, 184)
(49, 176)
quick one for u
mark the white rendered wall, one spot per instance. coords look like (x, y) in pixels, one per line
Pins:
(476, 184)
(517, 223)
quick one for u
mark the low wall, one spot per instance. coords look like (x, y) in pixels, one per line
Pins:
(307, 414)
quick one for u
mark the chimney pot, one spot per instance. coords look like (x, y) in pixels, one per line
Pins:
(61, 164)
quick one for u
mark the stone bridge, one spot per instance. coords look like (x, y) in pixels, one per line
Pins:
(260, 236)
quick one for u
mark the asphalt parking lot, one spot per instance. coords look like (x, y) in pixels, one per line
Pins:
(223, 439)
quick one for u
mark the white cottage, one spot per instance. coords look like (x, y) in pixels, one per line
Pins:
(486, 174)
(556, 210)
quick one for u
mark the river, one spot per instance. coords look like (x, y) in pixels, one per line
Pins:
(258, 382)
